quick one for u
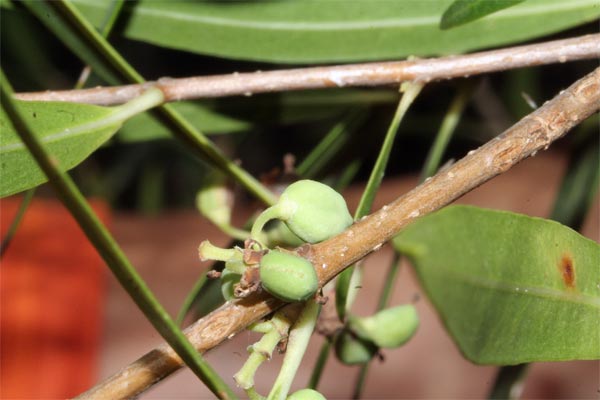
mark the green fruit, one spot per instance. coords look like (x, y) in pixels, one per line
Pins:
(228, 280)
(280, 235)
(288, 277)
(313, 212)
(352, 350)
(306, 394)
(388, 328)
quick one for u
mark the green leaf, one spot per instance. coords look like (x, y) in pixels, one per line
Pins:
(147, 127)
(308, 31)
(509, 288)
(462, 11)
(7, 4)
(64, 128)
(70, 132)
(51, 18)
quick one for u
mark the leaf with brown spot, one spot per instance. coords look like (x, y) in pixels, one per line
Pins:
(509, 288)
(567, 270)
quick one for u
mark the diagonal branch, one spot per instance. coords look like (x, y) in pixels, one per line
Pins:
(533, 133)
(368, 74)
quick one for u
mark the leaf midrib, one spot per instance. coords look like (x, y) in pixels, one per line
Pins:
(514, 288)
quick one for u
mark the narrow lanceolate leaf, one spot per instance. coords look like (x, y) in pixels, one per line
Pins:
(307, 31)
(70, 132)
(463, 11)
(60, 127)
(509, 288)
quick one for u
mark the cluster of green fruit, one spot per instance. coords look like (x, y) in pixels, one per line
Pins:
(311, 212)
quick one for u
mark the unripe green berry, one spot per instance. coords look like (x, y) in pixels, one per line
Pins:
(228, 280)
(280, 235)
(352, 350)
(319, 212)
(306, 394)
(287, 276)
(388, 328)
(313, 212)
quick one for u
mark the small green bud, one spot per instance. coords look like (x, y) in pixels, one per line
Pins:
(388, 328)
(208, 251)
(214, 202)
(313, 212)
(228, 280)
(306, 394)
(352, 350)
(288, 277)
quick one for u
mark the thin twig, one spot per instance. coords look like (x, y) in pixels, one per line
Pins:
(533, 133)
(368, 74)
(14, 225)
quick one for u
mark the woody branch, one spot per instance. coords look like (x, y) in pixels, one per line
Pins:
(367, 74)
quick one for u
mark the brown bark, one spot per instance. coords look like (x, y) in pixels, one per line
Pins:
(368, 74)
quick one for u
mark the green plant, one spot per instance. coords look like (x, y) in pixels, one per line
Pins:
(486, 272)
(351, 349)
(287, 276)
(311, 210)
(391, 327)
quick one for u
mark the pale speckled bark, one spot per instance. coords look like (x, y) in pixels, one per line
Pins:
(368, 74)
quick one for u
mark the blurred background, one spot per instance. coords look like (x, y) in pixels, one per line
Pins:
(65, 322)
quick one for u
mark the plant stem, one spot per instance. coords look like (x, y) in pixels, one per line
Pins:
(111, 17)
(320, 364)
(384, 298)
(347, 175)
(273, 212)
(208, 251)
(109, 22)
(579, 186)
(509, 382)
(349, 75)
(297, 343)
(189, 299)
(233, 232)
(204, 147)
(99, 236)
(360, 381)
(389, 281)
(451, 119)
(16, 221)
(411, 91)
(329, 146)
(262, 350)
